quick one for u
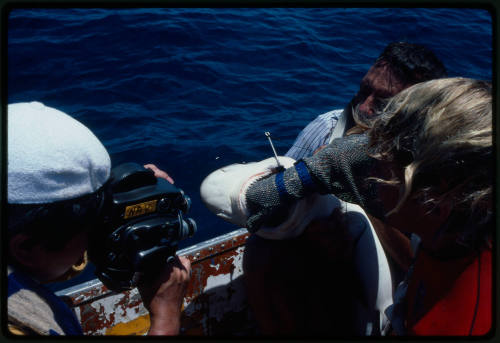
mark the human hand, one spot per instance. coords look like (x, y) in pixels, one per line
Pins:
(163, 296)
(159, 173)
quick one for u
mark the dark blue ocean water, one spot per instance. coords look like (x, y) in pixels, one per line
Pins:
(194, 89)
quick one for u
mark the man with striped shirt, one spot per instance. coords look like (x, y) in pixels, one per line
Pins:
(279, 272)
(398, 67)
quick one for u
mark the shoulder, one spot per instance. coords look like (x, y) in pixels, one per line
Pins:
(33, 306)
(329, 115)
(325, 120)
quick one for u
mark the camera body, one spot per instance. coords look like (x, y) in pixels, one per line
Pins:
(141, 224)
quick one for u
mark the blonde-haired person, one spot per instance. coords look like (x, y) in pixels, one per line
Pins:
(423, 177)
(436, 138)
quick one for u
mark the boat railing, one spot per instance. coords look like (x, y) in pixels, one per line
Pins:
(215, 303)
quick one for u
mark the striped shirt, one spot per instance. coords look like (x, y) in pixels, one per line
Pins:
(314, 135)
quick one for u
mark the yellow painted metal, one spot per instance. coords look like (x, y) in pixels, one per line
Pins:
(138, 327)
(215, 302)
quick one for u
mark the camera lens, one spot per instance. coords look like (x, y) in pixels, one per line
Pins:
(188, 228)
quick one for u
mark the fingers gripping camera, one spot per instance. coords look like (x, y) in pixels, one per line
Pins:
(140, 227)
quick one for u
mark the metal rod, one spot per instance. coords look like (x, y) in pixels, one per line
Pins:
(268, 135)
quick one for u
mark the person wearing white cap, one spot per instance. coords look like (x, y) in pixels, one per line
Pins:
(57, 169)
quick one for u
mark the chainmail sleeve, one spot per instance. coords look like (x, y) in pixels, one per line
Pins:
(340, 169)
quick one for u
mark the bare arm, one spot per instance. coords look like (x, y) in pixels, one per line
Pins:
(163, 296)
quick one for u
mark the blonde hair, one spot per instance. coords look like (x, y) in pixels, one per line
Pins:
(440, 132)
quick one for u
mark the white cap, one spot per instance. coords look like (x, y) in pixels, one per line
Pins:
(51, 156)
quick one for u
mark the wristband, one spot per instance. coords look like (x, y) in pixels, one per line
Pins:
(304, 176)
